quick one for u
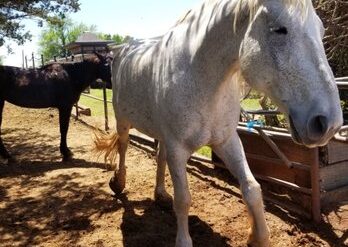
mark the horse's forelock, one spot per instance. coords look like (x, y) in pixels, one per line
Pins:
(252, 6)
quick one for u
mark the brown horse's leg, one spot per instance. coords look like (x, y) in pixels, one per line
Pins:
(3, 151)
(64, 117)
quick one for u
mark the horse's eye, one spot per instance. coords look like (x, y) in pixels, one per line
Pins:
(280, 30)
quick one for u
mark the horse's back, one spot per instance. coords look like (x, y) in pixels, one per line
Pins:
(33, 88)
(135, 88)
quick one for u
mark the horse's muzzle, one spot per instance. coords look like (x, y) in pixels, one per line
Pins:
(314, 129)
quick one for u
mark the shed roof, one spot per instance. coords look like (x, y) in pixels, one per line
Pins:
(88, 39)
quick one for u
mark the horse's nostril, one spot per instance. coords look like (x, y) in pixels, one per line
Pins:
(318, 126)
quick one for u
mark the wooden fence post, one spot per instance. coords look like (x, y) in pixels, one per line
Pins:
(315, 184)
(33, 59)
(77, 110)
(105, 107)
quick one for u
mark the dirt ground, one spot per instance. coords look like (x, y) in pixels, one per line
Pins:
(44, 202)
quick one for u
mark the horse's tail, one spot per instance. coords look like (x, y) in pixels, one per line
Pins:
(107, 145)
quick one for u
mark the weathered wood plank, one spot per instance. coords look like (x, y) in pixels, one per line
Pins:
(334, 176)
(291, 198)
(254, 144)
(337, 152)
(334, 196)
(266, 168)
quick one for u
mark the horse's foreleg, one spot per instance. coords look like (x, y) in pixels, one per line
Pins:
(64, 118)
(232, 154)
(161, 195)
(177, 157)
(118, 181)
(3, 151)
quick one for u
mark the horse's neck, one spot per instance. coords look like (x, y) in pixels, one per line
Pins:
(214, 47)
(83, 74)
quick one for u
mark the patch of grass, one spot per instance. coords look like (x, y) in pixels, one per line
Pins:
(97, 107)
(205, 151)
(251, 104)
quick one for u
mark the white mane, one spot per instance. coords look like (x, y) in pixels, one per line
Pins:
(252, 6)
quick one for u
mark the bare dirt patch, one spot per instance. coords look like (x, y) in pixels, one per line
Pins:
(44, 202)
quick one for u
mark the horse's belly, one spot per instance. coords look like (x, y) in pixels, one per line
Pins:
(30, 100)
(40, 95)
(139, 115)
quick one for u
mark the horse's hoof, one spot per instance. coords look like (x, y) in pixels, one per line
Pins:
(8, 161)
(4, 161)
(164, 201)
(261, 241)
(68, 157)
(116, 186)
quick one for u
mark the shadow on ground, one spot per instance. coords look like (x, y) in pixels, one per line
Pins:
(158, 226)
(301, 225)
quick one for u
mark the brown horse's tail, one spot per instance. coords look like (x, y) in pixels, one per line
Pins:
(107, 145)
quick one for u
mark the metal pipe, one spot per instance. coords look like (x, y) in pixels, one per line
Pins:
(278, 161)
(96, 98)
(285, 184)
(275, 148)
(315, 183)
(339, 136)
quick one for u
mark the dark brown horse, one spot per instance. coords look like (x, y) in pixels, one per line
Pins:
(57, 85)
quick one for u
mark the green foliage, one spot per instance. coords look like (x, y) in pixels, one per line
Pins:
(58, 34)
(12, 12)
(118, 39)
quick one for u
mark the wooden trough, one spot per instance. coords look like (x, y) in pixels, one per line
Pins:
(294, 177)
(316, 178)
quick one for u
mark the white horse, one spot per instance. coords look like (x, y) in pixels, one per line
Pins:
(183, 89)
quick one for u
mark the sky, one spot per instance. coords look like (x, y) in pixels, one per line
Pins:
(136, 18)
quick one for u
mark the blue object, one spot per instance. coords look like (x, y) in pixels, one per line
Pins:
(250, 124)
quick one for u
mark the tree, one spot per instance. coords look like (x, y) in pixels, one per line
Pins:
(12, 12)
(58, 34)
(334, 14)
(118, 39)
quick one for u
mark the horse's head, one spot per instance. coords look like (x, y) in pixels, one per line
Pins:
(282, 54)
(104, 67)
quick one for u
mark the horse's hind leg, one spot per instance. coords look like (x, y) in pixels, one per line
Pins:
(118, 181)
(3, 151)
(64, 118)
(232, 154)
(161, 195)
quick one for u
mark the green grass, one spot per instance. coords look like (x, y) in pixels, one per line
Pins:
(205, 151)
(97, 107)
(251, 104)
